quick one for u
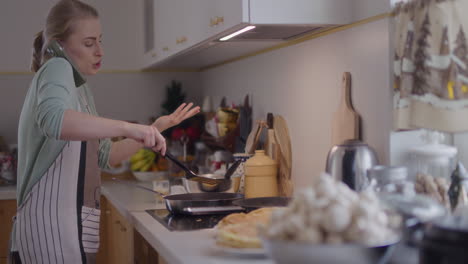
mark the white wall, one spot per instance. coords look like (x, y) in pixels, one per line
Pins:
(303, 84)
(121, 20)
(139, 96)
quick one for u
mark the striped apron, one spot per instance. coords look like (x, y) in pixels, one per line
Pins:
(59, 220)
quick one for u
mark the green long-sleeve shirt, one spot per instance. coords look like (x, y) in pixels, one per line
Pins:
(52, 91)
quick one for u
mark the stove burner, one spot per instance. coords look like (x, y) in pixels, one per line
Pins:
(185, 222)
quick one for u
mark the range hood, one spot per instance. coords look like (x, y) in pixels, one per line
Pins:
(276, 32)
(274, 22)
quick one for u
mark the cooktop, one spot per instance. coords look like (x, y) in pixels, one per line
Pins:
(185, 222)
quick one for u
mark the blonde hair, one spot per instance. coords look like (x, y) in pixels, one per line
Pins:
(59, 26)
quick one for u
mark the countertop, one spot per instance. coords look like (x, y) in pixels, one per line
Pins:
(176, 246)
(8, 192)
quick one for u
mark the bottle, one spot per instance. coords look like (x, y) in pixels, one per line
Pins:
(261, 176)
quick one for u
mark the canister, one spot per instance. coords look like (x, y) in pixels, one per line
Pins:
(261, 176)
(433, 158)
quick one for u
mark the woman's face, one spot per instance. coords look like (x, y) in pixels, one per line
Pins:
(84, 46)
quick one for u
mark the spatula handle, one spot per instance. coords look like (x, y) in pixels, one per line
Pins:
(180, 164)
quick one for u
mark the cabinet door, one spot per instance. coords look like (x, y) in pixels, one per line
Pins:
(121, 235)
(149, 56)
(7, 211)
(144, 253)
(166, 27)
(209, 18)
(102, 255)
(202, 19)
(229, 14)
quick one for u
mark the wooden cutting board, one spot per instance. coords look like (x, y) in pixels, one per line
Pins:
(284, 156)
(254, 137)
(346, 121)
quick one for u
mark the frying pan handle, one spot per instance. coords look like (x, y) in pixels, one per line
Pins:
(232, 169)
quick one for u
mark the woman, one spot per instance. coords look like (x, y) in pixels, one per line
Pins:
(62, 144)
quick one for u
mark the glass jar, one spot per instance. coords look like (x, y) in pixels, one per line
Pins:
(390, 179)
(433, 158)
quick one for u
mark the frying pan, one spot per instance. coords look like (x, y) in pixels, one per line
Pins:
(259, 202)
(195, 203)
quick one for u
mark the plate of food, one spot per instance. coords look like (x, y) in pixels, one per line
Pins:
(238, 233)
(244, 252)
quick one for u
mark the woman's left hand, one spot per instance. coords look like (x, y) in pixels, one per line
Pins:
(182, 112)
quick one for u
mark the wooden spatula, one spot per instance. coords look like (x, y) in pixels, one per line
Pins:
(346, 121)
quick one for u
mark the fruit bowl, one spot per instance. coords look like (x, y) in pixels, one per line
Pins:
(148, 176)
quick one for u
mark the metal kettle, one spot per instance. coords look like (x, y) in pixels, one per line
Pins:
(349, 162)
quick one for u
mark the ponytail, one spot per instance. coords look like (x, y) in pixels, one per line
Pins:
(36, 61)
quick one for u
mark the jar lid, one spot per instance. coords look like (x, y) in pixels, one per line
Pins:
(434, 147)
(435, 150)
(260, 159)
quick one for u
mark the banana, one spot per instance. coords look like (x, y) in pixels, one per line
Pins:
(142, 154)
(137, 156)
(142, 160)
(139, 164)
(147, 166)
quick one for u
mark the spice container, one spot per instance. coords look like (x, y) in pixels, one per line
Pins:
(260, 176)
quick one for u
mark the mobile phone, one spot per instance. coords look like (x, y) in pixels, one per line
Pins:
(54, 49)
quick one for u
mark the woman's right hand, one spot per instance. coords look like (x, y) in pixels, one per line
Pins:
(149, 136)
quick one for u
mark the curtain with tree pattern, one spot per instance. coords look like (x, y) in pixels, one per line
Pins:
(431, 65)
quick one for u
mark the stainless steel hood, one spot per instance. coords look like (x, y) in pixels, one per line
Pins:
(276, 32)
(276, 22)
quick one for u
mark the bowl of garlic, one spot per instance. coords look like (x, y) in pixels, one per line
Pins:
(330, 223)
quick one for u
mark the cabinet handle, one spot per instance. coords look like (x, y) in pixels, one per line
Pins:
(181, 40)
(123, 229)
(219, 20)
(166, 49)
(213, 21)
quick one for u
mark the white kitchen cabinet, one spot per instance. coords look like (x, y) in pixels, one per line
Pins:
(149, 33)
(186, 27)
(181, 24)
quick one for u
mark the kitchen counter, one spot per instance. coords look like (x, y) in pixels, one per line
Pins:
(8, 192)
(176, 246)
